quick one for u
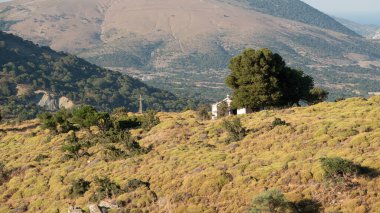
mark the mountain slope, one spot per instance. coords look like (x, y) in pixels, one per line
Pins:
(367, 31)
(27, 68)
(192, 169)
(296, 10)
(185, 45)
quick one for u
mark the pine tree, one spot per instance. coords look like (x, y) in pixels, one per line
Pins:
(261, 79)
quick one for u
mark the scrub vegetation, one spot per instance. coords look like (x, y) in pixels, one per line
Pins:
(324, 158)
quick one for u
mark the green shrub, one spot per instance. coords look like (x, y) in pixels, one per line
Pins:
(62, 119)
(79, 188)
(149, 120)
(106, 189)
(40, 157)
(223, 109)
(119, 111)
(57, 122)
(272, 201)
(136, 183)
(278, 122)
(317, 95)
(224, 179)
(104, 121)
(114, 136)
(308, 206)
(73, 148)
(131, 122)
(203, 112)
(235, 129)
(85, 116)
(113, 153)
(130, 147)
(47, 121)
(338, 167)
(4, 174)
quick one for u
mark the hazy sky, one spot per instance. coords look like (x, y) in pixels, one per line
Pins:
(362, 11)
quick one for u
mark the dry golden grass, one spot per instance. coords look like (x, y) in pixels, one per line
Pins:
(190, 167)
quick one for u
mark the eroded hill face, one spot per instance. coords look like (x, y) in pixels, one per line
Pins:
(192, 169)
(185, 45)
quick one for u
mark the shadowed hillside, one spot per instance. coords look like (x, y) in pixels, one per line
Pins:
(191, 167)
(26, 68)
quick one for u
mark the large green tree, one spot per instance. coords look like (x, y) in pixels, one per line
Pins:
(260, 78)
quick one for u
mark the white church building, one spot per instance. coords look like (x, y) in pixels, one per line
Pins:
(216, 111)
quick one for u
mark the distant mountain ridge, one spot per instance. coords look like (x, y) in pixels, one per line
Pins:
(184, 45)
(367, 31)
(296, 10)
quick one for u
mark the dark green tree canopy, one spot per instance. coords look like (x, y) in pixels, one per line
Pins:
(260, 78)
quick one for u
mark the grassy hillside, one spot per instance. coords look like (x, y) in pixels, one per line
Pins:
(31, 67)
(192, 169)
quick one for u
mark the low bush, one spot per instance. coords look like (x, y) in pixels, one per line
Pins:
(203, 112)
(79, 188)
(117, 144)
(85, 116)
(272, 201)
(317, 95)
(278, 122)
(224, 179)
(104, 121)
(131, 122)
(149, 120)
(57, 122)
(64, 120)
(113, 153)
(235, 129)
(119, 111)
(4, 174)
(40, 157)
(136, 183)
(47, 121)
(308, 206)
(105, 189)
(338, 167)
(73, 148)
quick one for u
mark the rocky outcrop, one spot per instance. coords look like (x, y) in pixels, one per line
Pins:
(93, 208)
(108, 204)
(23, 89)
(65, 103)
(50, 102)
(74, 209)
(103, 206)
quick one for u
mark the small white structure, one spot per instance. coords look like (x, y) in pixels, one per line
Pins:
(216, 110)
(244, 111)
(374, 93)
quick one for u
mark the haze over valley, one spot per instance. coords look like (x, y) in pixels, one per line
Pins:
(165, 43)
